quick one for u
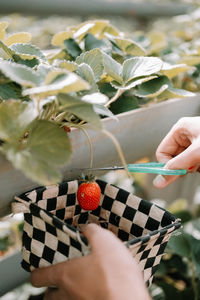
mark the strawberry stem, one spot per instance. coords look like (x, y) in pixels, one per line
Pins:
(89, 140)
(119, 150)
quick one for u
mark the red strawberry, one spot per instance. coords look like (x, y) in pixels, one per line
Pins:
(89, 195)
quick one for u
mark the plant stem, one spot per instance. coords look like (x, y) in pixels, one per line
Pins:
(81, 123)
(89, 140)
(60, 117)
(193, 280)
(119, 150)
(38, 104)
(114, 98)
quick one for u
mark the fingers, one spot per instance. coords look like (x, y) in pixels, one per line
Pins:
(167, 148)
(101, 239)
(185, 160)
(45, 276)
(176, 141)
(94, 234)
(51, 294)
(162, 181)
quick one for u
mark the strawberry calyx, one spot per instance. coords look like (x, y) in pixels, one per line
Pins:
(86, 178)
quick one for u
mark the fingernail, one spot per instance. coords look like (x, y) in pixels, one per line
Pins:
(159, 181)
(190, 168)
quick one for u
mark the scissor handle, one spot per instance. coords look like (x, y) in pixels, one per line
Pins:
(154, 168)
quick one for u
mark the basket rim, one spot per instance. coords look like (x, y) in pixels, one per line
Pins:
(145, 238)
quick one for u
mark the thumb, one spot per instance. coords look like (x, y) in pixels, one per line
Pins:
(99, 238)
(184, 160)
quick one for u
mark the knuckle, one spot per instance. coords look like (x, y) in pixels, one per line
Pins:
(158, 153)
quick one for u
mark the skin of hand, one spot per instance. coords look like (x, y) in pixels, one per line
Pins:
(109, 272)
(180, 149)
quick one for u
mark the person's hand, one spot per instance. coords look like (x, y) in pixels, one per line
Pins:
(109, 272)
(180, 149)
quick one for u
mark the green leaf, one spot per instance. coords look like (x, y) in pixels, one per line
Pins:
(181, 92)
(60, 37)
(6, 50)
(124, 103)
(18, 37)
(5, 242)
(109, 30)
(156, 292)
(184, 215)
(180, 245)
(180, 209)
(190, 60)
(153, 88)
(157, 41)
(82, 29)
(14, 118)
(192, 231)
(3, 26)
(112, 68)
(28, 51)
(193, 228)
(140, 66)
(117, 52)
(93, 58)
(107, 89)
(8, 53)
(39, 155)
(61, 54)
(86, 72)
(48, 142)
(43, 70)
(72, 47)
(91, 42)
(79, 108)
(178, 205)
(69, 65)
(103, 111)
(31, 63)
(10, 91)
(129, 47)
(95, 98)
(173, 70)
(54, 75)
(19, 73)
(66, 84)
(175, 93)
(99, 26)
(132, 83)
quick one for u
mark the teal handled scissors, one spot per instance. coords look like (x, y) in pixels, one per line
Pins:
(150, 167)
(154, 168)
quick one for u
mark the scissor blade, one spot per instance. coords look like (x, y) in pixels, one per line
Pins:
(114, 168)
(74, 173)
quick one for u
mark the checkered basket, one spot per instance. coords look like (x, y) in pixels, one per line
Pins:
(53, 221)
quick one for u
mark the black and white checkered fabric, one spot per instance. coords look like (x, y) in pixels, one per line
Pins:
(53, 220)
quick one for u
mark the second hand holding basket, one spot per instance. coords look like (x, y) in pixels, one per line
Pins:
(53, 221)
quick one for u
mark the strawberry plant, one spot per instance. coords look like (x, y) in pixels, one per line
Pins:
(176, 42)
(177, 276)
(44, 93)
